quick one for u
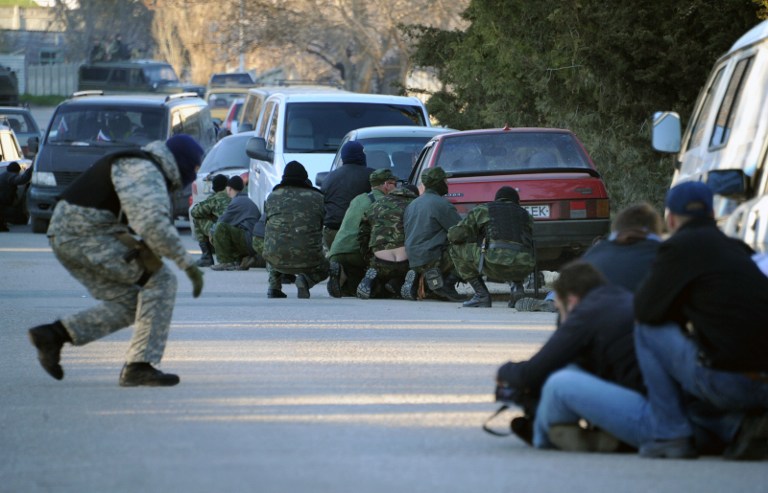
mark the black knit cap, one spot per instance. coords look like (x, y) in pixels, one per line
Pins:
(507, 193)
(188, 155)
(236, 183)
(219, 182)
(295, 174)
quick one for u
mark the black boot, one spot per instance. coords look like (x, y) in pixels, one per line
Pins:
(49, 339)
(334, 280)
(482, 297)
(410, 288)
(366, 288)
(448, 291)
(144, 374)
(206, 259)
(276, 293)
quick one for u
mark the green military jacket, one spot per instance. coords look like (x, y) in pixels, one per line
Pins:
(346, 240)
(207, 211)
(293, 236)
(381, 227)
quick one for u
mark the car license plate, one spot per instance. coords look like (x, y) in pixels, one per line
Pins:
(537, 210)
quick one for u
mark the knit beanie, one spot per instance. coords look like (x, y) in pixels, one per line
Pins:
(294, 174)
(236, 183)
(13, 167)
(508, 193)
(188, 155)
(219, 182)
(352, 153)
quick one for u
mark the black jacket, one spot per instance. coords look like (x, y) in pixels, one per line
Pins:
(708, 283)
(339, 188)
(597, 335)
(623, 264)
(9, 182)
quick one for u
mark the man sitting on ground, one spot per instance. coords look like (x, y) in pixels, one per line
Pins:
(232, 233)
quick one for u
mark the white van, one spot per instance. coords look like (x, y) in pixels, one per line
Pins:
(726, 142)
(308, 127)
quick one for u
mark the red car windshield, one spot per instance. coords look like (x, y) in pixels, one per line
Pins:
(510, 152)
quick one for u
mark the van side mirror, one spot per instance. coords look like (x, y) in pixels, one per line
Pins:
(33, 144)
(256, 148)
(730, 183)
(320, 177)
(666, 135)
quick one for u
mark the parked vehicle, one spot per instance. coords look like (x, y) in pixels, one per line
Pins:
(308, 127)
(230, 79)
(89, 126)
(394, 147)
(10, 151)
(229, 126)
(9, 87)
(23, 124)
(250, 117)
(133, 76)
(556, 179)
(726, 142)
(227, 157)
(220, 100)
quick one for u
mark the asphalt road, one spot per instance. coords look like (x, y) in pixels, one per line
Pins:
(318, 395)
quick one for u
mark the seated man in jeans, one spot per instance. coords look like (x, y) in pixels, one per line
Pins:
(702, 332)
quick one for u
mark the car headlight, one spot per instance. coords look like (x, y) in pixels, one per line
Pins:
(43, 178)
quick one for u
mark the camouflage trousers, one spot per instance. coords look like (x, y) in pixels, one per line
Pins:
(97, 263)
(230, 244)
(388, 270)
(353, 265)
(500, 264)
(314, 275)
(201, 227)
(328, 236)
(444, 264)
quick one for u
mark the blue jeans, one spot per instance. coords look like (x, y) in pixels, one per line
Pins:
(669, 361)
(572, 394)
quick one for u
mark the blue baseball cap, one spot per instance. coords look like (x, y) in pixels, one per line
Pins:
(690, 198)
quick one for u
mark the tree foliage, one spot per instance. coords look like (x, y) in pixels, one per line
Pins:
(598, 68)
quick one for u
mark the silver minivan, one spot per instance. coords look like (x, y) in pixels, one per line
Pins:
(726, 142)
(308, 127)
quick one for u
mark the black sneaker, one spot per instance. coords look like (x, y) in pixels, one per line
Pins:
(276, 293)
(144, 374)
(751, 441)
(574, 438)
(522, 427)
(365, 288)
(49, 339)
(334, 280)
(410, 288)
(302, 285)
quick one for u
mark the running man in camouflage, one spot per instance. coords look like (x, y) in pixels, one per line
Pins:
(89, 233)
(495, 240)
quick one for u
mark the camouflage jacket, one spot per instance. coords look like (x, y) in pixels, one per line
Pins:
(144, 200)
(381, 227)
(474, 227)
(293, 236)
(211, 208)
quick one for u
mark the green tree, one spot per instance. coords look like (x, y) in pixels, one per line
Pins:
(598, 68)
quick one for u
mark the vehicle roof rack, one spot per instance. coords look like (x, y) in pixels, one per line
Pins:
(80, 94)
(180, 95)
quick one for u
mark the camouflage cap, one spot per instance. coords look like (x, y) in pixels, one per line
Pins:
(433, 176)
(381, 176)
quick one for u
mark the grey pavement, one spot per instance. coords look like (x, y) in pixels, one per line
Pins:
(318, 395)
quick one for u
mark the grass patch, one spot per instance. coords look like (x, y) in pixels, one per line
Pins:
(49, 100)
(20, 3)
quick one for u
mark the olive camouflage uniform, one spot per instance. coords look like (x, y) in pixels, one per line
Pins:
(84, 241)
(509, 246)
(293, 238)
(205, 213)
(381, 228)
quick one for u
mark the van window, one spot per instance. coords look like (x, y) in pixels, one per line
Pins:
(264, 117)
(94, 74)
(105, 125)
(119, 75)
(730, 103)
(699, 124)
(272, 129)
(160, 74)
(313, 127)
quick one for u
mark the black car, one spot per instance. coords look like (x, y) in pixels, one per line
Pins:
(90, 125)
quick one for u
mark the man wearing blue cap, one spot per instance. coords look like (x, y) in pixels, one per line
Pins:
(702, 335)
(91, 234)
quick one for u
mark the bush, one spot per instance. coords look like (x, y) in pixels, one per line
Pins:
(49, 100)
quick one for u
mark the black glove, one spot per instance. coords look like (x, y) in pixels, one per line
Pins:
(196, 276)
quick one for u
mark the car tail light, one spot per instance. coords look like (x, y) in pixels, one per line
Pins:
(583, 209)
(194, 188)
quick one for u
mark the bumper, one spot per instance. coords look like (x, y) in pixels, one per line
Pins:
(559, 241)
(41, 201)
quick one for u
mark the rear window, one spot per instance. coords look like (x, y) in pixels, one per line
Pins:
(106, 125)
(229, 153)
(19, 122)
(396, 153)
(510, 152)
(320, 127)
(227, 79)
(160, 74)
(223, 99)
